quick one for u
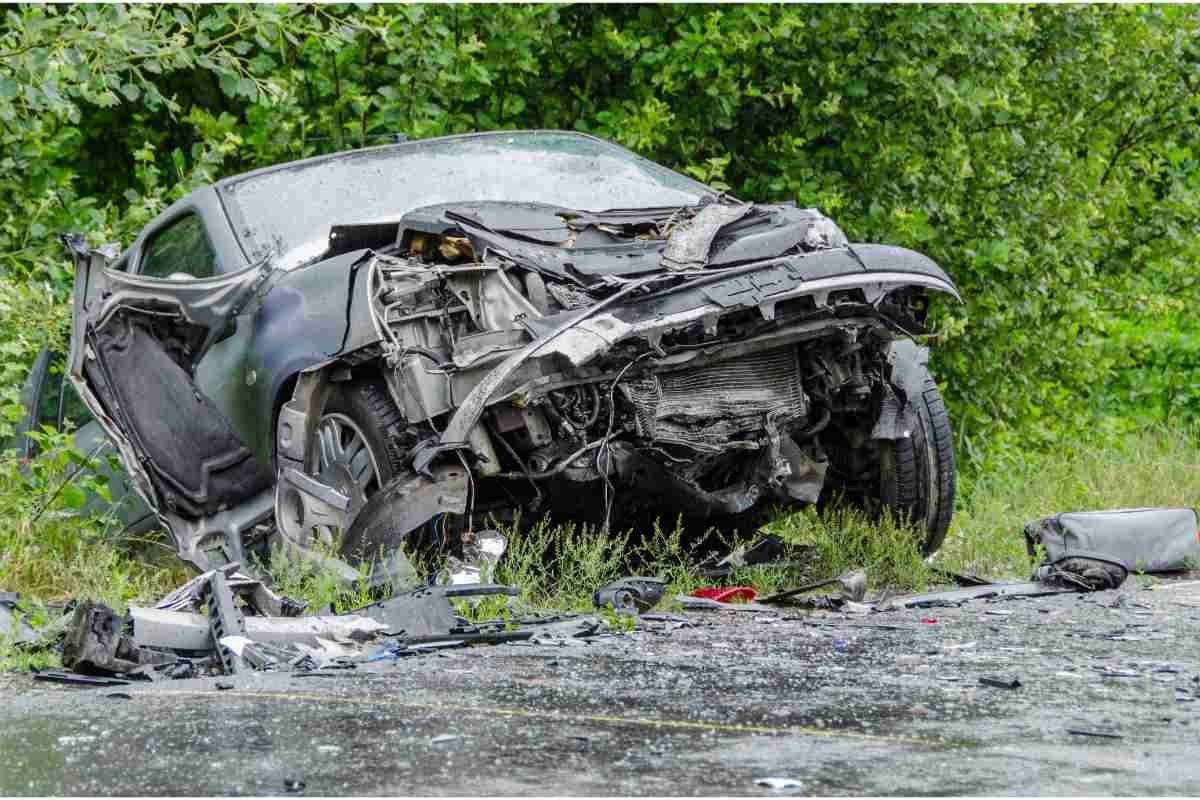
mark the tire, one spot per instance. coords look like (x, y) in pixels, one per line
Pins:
(917, 474)
(359, 444)
(389, 439)
(368, 404)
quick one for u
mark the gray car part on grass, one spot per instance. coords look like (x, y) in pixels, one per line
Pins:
(1137, 539)
(630, 595)
(956, 597)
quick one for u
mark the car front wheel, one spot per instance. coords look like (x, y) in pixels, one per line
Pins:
(358, 445)
(917, 473)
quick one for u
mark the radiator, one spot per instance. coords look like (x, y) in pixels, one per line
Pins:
(708, 407)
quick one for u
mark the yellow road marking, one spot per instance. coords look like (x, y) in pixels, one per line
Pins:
(677, 724)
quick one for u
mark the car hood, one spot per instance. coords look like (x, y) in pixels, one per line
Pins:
(589, 247)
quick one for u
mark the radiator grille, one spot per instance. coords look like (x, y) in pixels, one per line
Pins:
(707, 407)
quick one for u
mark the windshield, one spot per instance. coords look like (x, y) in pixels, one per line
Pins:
(290, 210)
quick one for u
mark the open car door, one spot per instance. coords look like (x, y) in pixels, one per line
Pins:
(135, 343)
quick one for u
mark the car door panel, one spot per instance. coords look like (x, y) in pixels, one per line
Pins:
(135, 345)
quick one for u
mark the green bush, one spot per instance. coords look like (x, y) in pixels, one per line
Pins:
(1046, 155)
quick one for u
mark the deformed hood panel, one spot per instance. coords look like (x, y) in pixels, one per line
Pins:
(591, 246)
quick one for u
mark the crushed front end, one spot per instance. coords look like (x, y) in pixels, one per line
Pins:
(617, 367)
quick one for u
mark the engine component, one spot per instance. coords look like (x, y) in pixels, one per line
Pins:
(712, 408)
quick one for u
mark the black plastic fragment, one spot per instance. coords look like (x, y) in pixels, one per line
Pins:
(74, 678)
(427, 612)
(1097, 734)
(1000, 682)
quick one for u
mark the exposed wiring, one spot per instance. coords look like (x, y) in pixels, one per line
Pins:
(595, 415)
(470, 491)
(606, 451)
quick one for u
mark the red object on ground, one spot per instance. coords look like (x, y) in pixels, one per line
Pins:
(726, 594)
(929, 620)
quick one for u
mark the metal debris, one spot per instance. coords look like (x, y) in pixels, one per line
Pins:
(778, 783)
(631, 595)
(75, 678)
(190, 596)
(428, 611)
(956, 597)
(483, 550)
(853, 585)
(224, 621)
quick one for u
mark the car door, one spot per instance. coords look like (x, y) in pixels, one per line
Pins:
(135, 343)
(51, 401)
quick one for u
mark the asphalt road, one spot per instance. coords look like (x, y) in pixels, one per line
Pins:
(825, 699)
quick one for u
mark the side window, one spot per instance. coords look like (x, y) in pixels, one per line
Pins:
(182, 247)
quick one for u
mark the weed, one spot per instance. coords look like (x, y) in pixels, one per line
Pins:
(18, 659)
(616, 621)
(59, 534)
(844, 538)
(311, 580)
(561, 565)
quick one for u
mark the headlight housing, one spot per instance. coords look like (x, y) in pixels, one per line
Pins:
(823, 234)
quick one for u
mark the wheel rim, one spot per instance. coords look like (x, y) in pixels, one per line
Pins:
(343, 460)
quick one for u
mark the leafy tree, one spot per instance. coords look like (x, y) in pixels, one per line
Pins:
(1045, 155)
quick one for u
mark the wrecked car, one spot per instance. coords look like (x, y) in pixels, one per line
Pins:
(389, 346)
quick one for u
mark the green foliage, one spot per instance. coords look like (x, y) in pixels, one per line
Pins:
(561, 565)
(318, 585)
(52, 547)
(843, 539)
(1047, 156)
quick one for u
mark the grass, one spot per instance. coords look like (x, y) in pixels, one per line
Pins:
(50, 549)
(1160, 468)
(56, 556)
